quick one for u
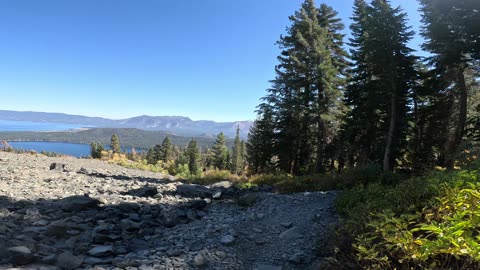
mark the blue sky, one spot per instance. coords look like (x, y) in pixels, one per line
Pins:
(205, 59)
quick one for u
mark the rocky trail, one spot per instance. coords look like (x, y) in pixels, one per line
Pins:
(67, 213)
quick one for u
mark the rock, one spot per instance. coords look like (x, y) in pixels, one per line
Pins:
(56, 230)
(227, 240)
(292, 233)
(96, 261)
(68, 262)
(287, 224)
(222, 184)
(199, 260)
(194, 191)
(49, 259)
(101, 251)
(129, 226)
(77, 203)
(196, 246)
(144, 192)
(57, 167)
(298, 258)
(222, 255)
(217, 195)
(197, 204)
(267, 267)
(20, 255)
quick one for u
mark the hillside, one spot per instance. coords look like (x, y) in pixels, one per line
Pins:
(129, 137)
(179, 125)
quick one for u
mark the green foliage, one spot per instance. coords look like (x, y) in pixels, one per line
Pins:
(192, 154)
(115, 144)
(220, 153)
(96, 150)
(430, 222)
(237, 154)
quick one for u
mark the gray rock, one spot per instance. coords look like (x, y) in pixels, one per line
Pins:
(287, 224)
(77, 203)
(20, 255)
(146, 191)
(56, 230)
(96, 261)
(68, 262)
(101, 251)
(128, 225)
(194, 191)
(199, 260)
(227, 240)
(222, 184)
(57, 167)
(298, 258)
(197, 204)
(292, 233)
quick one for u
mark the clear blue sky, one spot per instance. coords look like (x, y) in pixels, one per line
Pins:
(205, 59)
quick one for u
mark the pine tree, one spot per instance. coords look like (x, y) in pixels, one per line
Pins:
(237, 155)
(452, 37)
(260, 142)
(305, 96)
(220, 153)
(115, 144)
(192, 154)
(382, 80)
(96, 150)
(166, 150)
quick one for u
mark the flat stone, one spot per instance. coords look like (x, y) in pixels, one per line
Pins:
(95, 261)
(287, 224)
(196, 246)
(101, 251)
(292, 233)
(227, 240)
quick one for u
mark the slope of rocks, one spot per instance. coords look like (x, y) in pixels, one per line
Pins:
(67, 213)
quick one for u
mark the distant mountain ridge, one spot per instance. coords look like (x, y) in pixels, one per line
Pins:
(179, 125)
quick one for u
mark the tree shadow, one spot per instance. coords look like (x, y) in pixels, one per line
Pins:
(47, 228)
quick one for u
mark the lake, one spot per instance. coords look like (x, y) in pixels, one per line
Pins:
(71, 149)
(6, 125)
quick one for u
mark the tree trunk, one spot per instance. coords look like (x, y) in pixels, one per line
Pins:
(387, 157)
(455, 139)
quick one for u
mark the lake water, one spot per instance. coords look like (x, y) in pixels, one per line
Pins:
(6, 125)
(71, 149)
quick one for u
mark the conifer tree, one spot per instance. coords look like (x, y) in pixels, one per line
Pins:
(260, 142)
(166, 150)
(220, 153)
(305, 97)
(192, 154)
(237, 155)
(452, 36)
(115, 144)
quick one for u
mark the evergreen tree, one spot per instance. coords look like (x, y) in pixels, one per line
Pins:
(166, 150)
(220, 153)
(192, 154)
(305, 96)
(260, 142)
(382, 80)
(96, 150)
(452, 37)
(115, 144)
(237, 155)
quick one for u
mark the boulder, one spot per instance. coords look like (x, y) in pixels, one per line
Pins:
(57, 167)
(194, 191)
(77, 203)
(292, 233)
(144, 192)
(20, 255)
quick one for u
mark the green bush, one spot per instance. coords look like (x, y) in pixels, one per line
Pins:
(430, 222)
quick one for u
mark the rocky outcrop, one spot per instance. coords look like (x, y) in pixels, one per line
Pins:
(93, 214)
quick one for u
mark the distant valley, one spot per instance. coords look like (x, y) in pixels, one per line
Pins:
(177, 125)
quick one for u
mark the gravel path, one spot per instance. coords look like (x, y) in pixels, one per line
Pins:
(67, 213)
